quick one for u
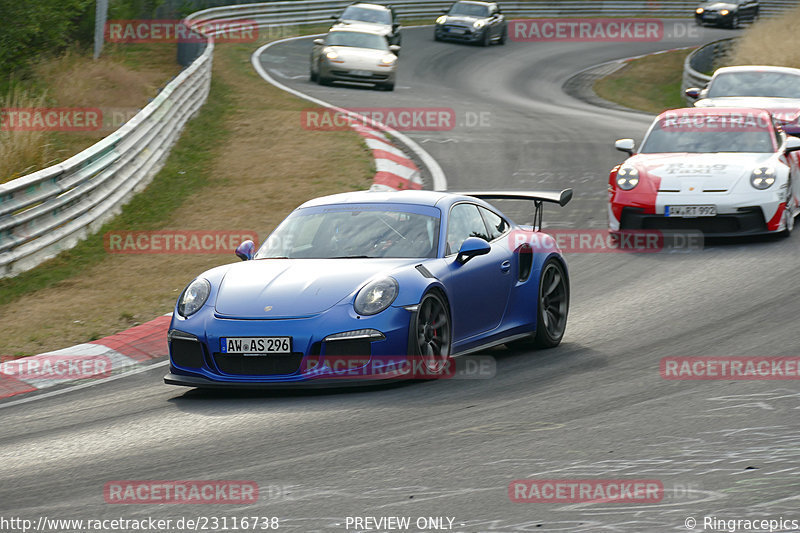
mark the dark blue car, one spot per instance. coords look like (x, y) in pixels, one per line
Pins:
(371, 276)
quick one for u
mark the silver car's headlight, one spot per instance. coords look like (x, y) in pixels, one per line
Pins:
(193, 297)
(441, 20)
(478, 24)
(627, 178)
(376, 296)
(762, 178)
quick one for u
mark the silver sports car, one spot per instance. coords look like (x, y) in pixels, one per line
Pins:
(354, 56)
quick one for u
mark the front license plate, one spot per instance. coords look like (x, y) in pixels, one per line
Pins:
(362, 73)
(255, 345)
(457, 31)
(689, 211)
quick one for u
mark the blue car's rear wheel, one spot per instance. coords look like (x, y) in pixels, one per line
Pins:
(551, 315)
(431, 333)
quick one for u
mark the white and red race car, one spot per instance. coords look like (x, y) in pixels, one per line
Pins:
(722, 171)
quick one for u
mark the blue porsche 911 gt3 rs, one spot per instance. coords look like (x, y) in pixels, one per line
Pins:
(369, 276)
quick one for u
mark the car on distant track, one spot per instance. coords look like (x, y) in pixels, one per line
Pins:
(776, 89)
(722, 171)
(729, 13)
(374, 18)
(372, 275)
(356, 56)
(472, 22)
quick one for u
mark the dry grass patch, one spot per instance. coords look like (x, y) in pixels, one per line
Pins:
(119, 83)
(772, 41)
(261, 164)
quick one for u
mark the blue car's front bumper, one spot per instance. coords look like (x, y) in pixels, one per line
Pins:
(197, 358)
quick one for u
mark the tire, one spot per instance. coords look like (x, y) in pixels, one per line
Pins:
(487, 39)
(503, 37)
(387, 86)
(312, 75)
(436, 37)
(553, 305)
(431, 332)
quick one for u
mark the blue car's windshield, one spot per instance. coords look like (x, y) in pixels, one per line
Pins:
(350, 232)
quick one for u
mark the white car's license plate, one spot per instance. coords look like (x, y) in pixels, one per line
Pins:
(690, 211)
(255, 345)
(361, 73)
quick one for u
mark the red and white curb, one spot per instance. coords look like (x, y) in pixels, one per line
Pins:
(394, 169)
(85, 362)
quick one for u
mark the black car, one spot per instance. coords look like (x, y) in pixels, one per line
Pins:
(472, 22)
(729, 13)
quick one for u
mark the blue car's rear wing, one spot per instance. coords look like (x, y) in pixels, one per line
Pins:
(561, 198)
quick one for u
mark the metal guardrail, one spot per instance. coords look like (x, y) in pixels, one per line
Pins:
(52, 209)
(700, 61)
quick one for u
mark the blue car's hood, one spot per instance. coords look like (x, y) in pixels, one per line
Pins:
(285, 288)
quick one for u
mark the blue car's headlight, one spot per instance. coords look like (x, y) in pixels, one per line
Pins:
(193, 297)
(376, 296)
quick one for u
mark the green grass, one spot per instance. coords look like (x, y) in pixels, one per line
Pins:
(651, 83)
(187, 168)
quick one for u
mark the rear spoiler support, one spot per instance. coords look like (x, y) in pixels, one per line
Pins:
(561, 198)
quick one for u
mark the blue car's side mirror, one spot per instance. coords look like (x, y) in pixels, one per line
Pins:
(245, 250)
(472, 247)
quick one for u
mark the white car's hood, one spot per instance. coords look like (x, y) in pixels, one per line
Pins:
(685, 172)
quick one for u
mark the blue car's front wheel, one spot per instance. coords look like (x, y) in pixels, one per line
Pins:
(431, 333)
(551, 314)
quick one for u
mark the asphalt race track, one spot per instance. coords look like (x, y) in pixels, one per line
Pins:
(596, 407)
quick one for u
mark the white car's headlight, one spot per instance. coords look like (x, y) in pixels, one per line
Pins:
(762, 178)
(193, 297)
(376, 296)
(627, 178)
(441, 20)
(478, 24)
(388, 59)
(331, 54)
